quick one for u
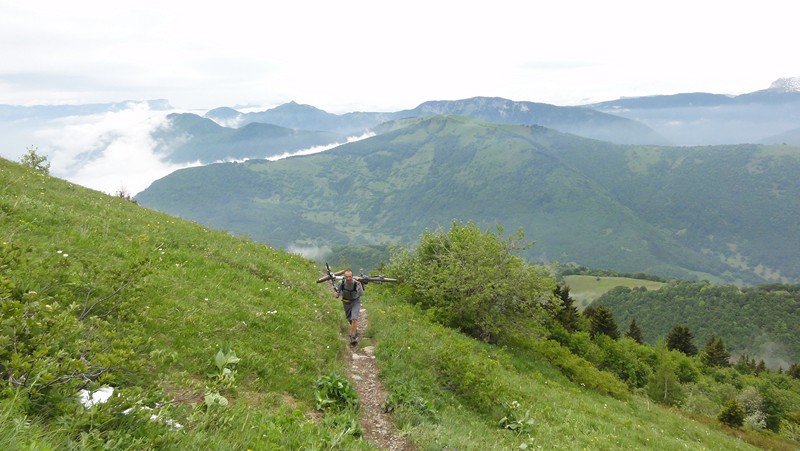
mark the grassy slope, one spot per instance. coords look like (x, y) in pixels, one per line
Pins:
(203, 287)
(585, 289)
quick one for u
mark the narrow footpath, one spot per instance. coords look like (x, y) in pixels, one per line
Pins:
(363, 373)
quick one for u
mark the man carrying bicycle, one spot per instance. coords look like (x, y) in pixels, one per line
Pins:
(351, 290)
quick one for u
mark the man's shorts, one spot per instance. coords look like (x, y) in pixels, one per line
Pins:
(351, 309)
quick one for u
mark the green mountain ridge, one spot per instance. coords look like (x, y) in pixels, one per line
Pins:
(627, 208)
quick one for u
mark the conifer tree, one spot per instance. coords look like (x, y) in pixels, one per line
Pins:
(680, 339)
(602, 322)
(634, 332)
(567, 315)
(794, 370)
(715, 353)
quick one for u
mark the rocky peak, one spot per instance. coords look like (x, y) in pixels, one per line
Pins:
(791, 84)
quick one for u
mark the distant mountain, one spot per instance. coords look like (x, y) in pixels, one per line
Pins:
(579, 121)
(188, 138)
(724, 213)
(16, 112)
(708, 119)
(303, 117)
(791, 137)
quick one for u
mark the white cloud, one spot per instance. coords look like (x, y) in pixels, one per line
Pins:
(318, 149)
(311, 252)
(107, 152)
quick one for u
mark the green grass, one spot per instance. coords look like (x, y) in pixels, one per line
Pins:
(181, 291)
(414, 355)
(585, 289)
(186, 290)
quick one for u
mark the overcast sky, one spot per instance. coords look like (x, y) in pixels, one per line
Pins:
(350, 55)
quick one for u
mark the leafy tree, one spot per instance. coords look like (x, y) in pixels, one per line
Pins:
(732, 414)
(602, 322)
(634, 332)
(474, 281)
(680, 339)
(663, 385)
(566, 314)
(33, 160)
(715, 353)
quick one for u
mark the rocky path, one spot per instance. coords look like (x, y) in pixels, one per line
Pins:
(363, 372)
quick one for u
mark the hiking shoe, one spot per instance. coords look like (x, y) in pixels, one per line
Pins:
(353, 340)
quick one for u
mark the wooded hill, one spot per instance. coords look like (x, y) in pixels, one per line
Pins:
(761, 322)
(723, 213)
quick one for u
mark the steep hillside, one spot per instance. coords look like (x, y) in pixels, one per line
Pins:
(216, 342)
(632, 209)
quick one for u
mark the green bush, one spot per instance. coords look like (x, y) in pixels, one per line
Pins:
(473, 281)
(732, 414)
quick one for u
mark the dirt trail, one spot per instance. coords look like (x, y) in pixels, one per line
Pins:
(363, 372)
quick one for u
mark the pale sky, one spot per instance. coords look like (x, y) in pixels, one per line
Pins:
(350, 55)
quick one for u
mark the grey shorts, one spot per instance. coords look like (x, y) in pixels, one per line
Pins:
(351, 309)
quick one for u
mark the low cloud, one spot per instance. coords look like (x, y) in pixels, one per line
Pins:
(318, 149)
(108, 152)
(317, 253)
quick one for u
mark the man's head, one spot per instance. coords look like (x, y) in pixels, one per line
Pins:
(348, 275)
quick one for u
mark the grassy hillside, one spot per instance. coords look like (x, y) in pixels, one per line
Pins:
(585, 289)
(116, 294)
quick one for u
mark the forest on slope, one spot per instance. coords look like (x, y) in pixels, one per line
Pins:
(760, 321)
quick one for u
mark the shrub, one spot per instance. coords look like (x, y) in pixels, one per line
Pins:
(732, 414)
(473, 281)
(335, 392)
